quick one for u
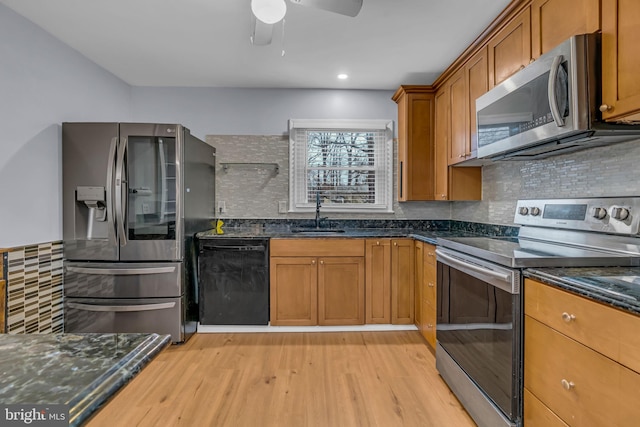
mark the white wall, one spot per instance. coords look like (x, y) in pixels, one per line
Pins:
(43, 83)
(234, 111)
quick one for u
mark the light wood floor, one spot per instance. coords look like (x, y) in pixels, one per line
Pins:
(289, 379)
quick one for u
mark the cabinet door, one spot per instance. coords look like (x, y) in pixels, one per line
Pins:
(402, 290)
(477, 79)
(378, 281)
(554, 21)
(418, 252)
(442, 120)
(510, 48)
(341, 291)
(620, 60)
(415, 143)
(458, 110)
(294, 291)
(428, 326)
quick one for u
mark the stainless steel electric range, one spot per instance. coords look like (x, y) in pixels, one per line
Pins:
(480, 318)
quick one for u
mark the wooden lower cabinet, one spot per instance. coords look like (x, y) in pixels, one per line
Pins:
(294, 291)
(341, 291)
(418, 265)
(317, 282)
(564, 376)
(378, 281)
(428, 324)
(402, 282)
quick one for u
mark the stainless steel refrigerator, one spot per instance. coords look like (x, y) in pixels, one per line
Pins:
(134, 195)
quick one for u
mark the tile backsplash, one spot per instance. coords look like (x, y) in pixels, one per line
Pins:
(34, 289)
(255, 193)
(596, 172)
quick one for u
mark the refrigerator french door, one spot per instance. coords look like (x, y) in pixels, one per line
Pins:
(130, 210)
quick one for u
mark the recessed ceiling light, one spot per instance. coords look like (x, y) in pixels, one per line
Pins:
(343, 76)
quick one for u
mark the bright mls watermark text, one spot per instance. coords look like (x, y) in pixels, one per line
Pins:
(34, 415)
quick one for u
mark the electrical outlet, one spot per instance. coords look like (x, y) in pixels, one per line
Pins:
(282, 206)
(146, 208)
(222, 207)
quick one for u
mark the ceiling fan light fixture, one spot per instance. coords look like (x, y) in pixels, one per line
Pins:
(269, 11)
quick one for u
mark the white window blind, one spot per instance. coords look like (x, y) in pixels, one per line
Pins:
(348, 163)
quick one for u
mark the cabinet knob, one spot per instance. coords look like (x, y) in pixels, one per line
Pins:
(313, 261)
(567, 385)
(377, 243)
(395, 243)
(431, 285)
(429, 326)
(568, 317)
(430, 254)
(443, 196)
(321, 262)
(605, 107)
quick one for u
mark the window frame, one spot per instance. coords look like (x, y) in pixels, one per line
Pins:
(385, 149)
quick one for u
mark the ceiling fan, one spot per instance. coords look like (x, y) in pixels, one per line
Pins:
(267, 13)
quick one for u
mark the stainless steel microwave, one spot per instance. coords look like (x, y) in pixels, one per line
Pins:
(550, 107)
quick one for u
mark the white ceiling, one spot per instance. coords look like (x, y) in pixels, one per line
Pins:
(205, 43)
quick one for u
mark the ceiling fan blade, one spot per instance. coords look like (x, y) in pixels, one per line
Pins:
(343, 7)
(261, 33)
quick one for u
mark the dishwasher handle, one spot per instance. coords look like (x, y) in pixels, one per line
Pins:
(239, 248)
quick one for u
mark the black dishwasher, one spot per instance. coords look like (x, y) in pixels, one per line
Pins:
(234, 281)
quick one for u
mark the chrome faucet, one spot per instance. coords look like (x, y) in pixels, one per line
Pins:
(319, 219)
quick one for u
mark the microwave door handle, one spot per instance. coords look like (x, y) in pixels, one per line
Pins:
(110, 173)
(121, 187)
(551, 91)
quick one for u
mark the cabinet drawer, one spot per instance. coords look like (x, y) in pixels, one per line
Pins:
(609, 331)
(536, 414)
(428, 328)
(429, 282)
(580, 385)
(430, 254)
(317, 247)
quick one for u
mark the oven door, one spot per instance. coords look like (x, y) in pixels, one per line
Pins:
(478, 330)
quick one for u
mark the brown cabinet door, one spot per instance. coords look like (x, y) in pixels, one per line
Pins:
(510, 48)
(341, 291)
(620, 60)
(378, 281)
(294, 291)
(458, 110)
(418, 252)
(402, 278)
(554, 21)
(415, 143)
(476, 75)
(442, 131)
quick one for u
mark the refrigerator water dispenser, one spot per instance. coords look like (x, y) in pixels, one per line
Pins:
(95, 214)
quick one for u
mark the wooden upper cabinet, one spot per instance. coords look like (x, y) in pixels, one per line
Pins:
(476, 75)
(415, 143)
(510, 48)
(458, 107)
(554, 21)
(441, 104)
(620, 60)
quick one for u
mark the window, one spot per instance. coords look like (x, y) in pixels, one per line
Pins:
(348, 163)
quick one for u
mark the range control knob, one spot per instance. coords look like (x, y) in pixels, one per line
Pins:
(599, 213)
(535, 211)
(620, 213)
(523, 210)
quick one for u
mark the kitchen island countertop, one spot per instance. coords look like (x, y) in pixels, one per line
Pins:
(79, 370)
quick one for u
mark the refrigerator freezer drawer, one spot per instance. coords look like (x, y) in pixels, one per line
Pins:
(123, 280)
(157, 315)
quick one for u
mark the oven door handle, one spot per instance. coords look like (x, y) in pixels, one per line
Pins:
(495, 274)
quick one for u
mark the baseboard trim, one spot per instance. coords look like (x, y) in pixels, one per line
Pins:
(218, 329)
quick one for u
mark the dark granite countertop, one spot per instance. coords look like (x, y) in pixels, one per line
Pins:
(79, 370)
(616, 286)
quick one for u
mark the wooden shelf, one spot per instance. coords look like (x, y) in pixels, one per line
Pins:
(255, 166)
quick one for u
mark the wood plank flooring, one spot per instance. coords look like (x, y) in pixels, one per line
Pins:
(289, 379)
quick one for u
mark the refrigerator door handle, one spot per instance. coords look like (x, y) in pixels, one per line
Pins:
(121, 271)
(120, 184)
(121, 308)
(110, 172)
